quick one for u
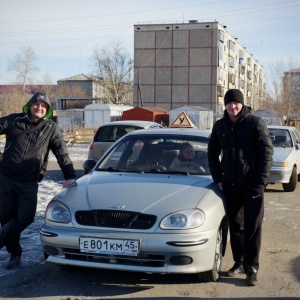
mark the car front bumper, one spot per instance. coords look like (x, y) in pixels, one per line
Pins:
(160, 253)
(280, 175)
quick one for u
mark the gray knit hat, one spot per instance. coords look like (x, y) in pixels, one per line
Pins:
(39, 96)
(234, 95)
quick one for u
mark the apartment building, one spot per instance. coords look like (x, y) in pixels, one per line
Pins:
(192, 64)
(291, 85)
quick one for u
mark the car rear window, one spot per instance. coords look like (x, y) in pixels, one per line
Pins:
(113, 133)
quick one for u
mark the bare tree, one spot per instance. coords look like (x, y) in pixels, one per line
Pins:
(279, 95)
(113, 66)
(24, 65)
(12, 101)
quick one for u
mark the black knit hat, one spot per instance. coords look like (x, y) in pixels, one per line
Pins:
(234, 95)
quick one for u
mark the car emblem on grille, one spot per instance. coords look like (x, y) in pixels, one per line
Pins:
(117, 206)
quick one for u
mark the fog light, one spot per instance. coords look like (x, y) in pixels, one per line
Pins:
(51, 250)
(180, 260)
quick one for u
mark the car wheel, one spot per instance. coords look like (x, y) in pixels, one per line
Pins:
(291, 186)
(214, 274)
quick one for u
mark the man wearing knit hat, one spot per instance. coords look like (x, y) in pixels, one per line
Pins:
(29, 137)
(242, 141)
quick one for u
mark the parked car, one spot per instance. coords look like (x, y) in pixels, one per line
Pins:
(286, 158)
(109, 133)
(131, 212)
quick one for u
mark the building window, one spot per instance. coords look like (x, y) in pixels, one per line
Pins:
(221, 36)
(220, 91)
(241, 54)
(255, 69)
(220, 55)
(296, 78)
(242, 83)
(232, 46)
(231, 62)
(231, 78)
(249, 62)
(242, 70)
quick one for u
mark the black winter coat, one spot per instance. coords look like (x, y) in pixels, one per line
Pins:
(25, 154)
(245, 147)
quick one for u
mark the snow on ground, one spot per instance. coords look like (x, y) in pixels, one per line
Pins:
(30, 238)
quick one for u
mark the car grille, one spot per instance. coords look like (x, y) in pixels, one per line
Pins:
(115, 219)
(142, 260)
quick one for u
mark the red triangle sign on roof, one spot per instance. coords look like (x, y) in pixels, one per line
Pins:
(182, 121)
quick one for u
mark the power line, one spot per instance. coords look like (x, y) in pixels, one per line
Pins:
(114, 14)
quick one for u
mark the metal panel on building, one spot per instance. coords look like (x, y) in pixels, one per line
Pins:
(154, 114)
(70, 118)
(201, 117)
(96, 115)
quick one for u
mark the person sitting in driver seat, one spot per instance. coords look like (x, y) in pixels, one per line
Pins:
(121, 132)
(186, 158)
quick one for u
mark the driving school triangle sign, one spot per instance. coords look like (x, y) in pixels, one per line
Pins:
(183, 121)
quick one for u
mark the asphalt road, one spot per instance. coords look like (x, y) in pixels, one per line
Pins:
(279, 276)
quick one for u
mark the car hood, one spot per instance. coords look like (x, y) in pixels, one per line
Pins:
(280, 153)
(157, 194)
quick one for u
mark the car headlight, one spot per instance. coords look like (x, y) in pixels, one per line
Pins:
(58, 212)
(280, 164)
(184, 219)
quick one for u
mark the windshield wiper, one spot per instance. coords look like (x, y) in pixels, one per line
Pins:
(168, 172)
(115, 169)
(111, 169)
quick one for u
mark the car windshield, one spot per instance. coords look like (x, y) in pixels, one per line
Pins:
(170, 154)
(281, 138)
(113, 133)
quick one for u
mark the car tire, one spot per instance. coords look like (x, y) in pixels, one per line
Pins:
(214, 274)
(291, 186)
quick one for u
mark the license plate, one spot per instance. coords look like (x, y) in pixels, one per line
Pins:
(109, 246)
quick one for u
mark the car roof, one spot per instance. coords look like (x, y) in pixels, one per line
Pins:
(176, 131)
(132, 123)
(282, 127)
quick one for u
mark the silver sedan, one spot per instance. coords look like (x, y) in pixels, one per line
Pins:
(286, 158)
(133, 212)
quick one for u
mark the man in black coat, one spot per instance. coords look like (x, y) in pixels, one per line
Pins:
(29, 138)
(243, 142)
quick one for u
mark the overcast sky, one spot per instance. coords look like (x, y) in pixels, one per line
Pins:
(63, 33)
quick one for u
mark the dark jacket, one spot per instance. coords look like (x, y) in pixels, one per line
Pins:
(245, 147)
(25, 154)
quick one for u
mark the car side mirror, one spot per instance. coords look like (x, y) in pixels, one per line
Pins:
(88, 165)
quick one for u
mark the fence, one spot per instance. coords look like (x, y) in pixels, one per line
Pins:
(80, 136)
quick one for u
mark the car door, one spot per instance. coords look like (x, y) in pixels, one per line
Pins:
(296, 140)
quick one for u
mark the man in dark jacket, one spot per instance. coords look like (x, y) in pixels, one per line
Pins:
(246, 150)
(29, 138)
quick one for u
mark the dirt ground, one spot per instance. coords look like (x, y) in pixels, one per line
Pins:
(279, 275)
